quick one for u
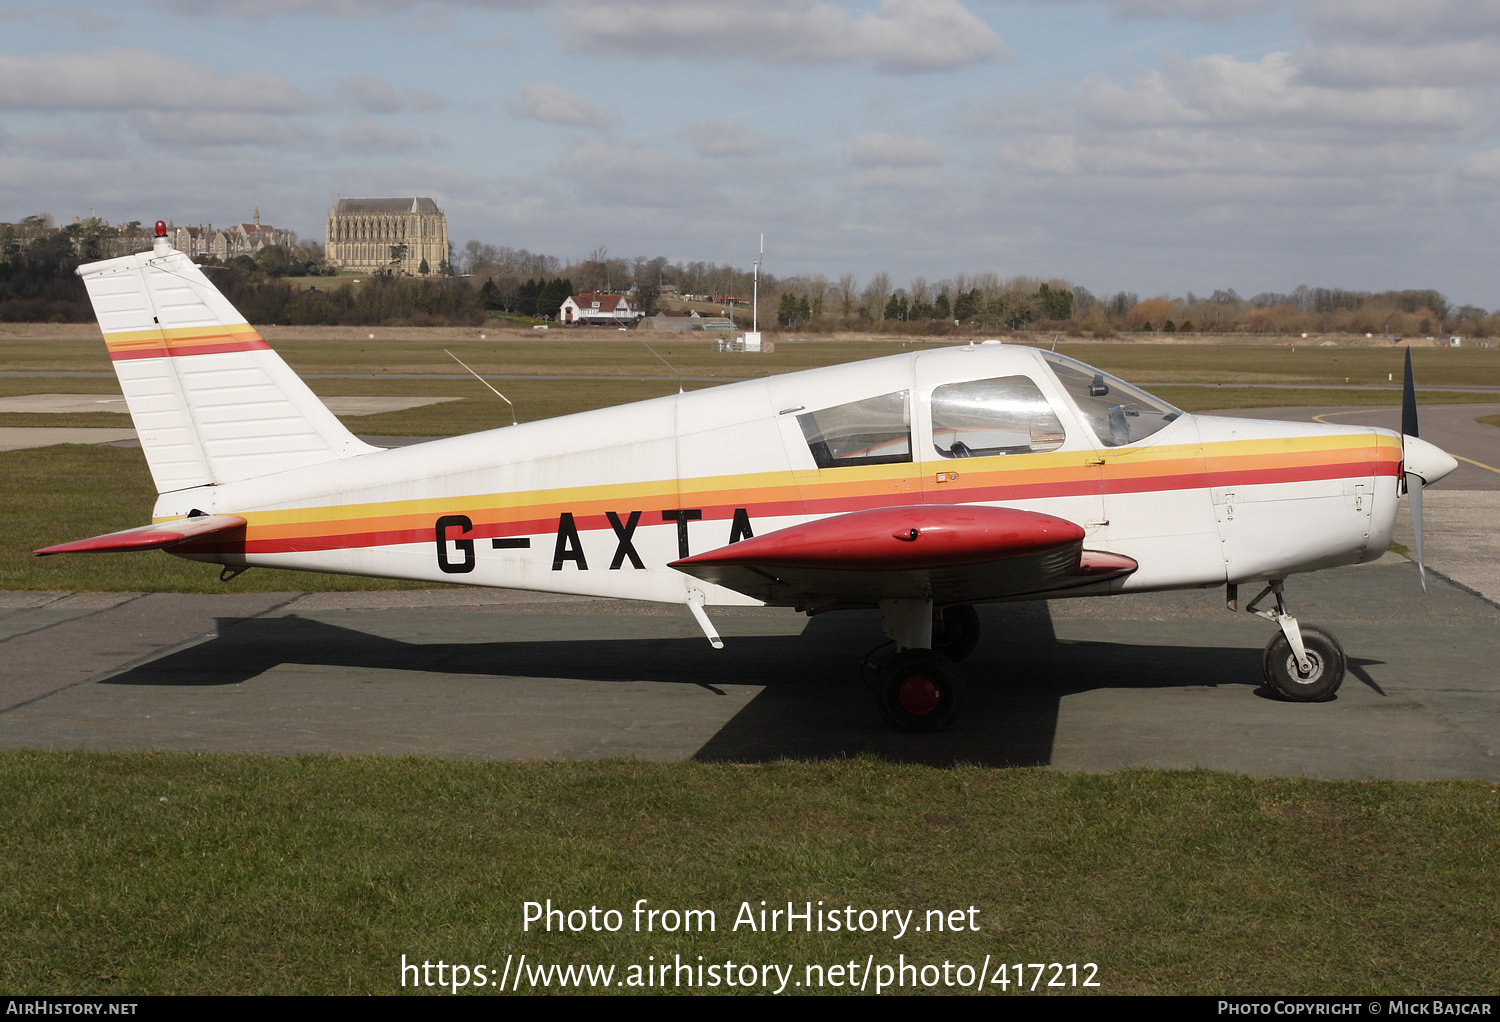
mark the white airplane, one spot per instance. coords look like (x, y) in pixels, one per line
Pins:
(919, 484)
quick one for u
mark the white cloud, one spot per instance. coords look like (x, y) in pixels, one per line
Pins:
(1404, 21)
(721, 139)
(365, 136)
(1194, 10)
(630, 176)
(498, 40)
(192, 129)
(340, 9)
(375, 95)
(1222, 90)
(553, 104)
(893, 151)
(137, 79)
(898, 179)
(1470, 62)
(904, 37)
(1484, 166)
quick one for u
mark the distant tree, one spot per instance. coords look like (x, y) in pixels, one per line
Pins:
(647, 295)
(968, 304)
(1054, 303)
(846, 290)
(1150, 312)
(526, 299)
(786, 312)
(423, 268)
(1122, 302)
(940, 307)
(553, 294)
(877, 291)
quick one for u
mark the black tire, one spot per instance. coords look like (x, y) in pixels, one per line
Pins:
(957, 632)
(919, 691)
(1328, 664)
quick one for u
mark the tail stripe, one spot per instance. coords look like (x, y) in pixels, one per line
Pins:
(189, 341)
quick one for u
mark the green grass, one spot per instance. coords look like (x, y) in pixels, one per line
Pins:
(1490, 420)
(171, 873)
(1200, 399)
(1231, 363)
(71, 491)
(70, 420)
(1176, 363)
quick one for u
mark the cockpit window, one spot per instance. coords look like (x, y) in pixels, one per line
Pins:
(983, 418)
(875, 431)
(1118, 413)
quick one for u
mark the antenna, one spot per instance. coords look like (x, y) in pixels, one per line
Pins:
(668, 365)
(755, 294)
(482, 380)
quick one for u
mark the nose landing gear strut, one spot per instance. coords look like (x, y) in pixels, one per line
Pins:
(1303, 663)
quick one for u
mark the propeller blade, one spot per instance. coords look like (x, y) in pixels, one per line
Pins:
(1414, 494)
(1408, 401)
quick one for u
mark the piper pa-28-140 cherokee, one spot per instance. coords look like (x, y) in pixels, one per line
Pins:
(919, 484)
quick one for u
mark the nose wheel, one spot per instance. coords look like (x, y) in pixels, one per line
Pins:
(1303, 663)
(1325, 666)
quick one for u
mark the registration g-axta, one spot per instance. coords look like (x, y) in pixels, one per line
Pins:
(918, 484)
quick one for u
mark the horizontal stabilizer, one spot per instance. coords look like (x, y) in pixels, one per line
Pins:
(947, 553)
(149, 537)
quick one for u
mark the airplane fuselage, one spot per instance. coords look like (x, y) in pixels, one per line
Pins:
(600, 503)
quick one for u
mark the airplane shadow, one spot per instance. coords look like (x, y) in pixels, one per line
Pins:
(812, 704)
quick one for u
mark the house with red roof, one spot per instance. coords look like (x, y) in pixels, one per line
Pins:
(597, 308)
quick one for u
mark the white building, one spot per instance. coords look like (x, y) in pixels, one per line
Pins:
(592, 307)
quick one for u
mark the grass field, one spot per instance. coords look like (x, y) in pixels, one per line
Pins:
(632, 373)
(1171, 363)
(155, 873)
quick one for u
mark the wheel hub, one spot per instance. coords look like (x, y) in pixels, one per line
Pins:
(1314, 661)
(919, 695)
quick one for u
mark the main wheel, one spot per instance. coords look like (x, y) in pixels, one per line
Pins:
(919, 691)
(1324, 654)
(957, 632)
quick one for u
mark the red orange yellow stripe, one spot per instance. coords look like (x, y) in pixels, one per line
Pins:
(182, 341)
(769, 495)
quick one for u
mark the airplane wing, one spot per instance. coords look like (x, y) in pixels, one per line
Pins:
(949, 554)
(149, 537)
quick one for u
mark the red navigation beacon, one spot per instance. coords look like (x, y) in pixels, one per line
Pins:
(161, 228)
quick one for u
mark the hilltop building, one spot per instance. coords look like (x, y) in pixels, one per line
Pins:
(389, 235)
(226, 243)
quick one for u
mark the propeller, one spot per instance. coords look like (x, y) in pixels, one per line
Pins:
(1422, 463)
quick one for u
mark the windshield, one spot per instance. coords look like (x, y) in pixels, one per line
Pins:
(1118, 413)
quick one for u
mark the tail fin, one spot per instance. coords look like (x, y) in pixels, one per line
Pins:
(212, 403)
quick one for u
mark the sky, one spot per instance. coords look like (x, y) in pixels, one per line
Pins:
(1155, 146)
